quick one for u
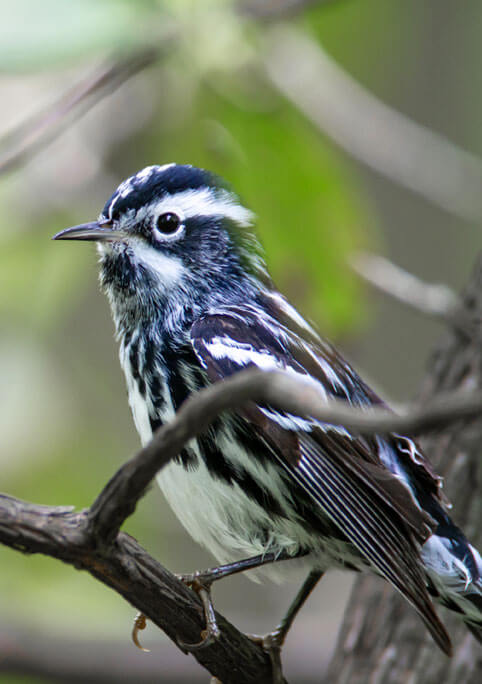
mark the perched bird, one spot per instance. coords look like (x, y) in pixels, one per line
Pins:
(192, 304)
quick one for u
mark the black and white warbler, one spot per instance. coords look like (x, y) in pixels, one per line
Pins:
(192, 304)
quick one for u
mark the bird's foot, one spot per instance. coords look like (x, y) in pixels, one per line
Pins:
(201, 583)
(272, 643)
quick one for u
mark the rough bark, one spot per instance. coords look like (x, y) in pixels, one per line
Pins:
(128, 569)
(382, 641)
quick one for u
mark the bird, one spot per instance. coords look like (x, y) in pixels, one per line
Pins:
(193, 303)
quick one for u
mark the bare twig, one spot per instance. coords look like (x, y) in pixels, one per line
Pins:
(30, 137)
(275, 9)
(379, 136)
(435, 300)
(119, 498)
(128, 569)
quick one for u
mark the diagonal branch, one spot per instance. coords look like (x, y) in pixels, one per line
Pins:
(369, 130)
(31, 136)
(272, 10)
(435, 300)
(128, 569)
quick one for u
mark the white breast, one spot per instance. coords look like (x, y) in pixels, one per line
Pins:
(137, 403)
(218, 515)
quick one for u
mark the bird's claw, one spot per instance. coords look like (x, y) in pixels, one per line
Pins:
(207, 639)
(139, 624)
(272, 644)
(211, 632)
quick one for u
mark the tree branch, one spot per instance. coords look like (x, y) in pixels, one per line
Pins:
(369, 130)
(128, 569)
(269, 10)
(28, 138)
(437, 301)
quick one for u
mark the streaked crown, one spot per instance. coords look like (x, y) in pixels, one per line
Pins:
(174, 233)
(194, 192)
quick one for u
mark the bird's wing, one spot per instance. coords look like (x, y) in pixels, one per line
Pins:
(342, 473)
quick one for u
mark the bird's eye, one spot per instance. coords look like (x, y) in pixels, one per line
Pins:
(168, 223)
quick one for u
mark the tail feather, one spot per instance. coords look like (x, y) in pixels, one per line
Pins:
(455, 578)
(476, 630)
(473, 617)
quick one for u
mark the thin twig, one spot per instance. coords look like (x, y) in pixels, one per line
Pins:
(369, 130)
(21, 144)
(269, 10)
(279, 389)
(436, 300)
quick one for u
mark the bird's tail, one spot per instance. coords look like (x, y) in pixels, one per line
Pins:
(454, 571)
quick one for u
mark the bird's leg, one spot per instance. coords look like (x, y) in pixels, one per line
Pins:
(213, 574)
(211, 631)
(273, 642)
(201, 583)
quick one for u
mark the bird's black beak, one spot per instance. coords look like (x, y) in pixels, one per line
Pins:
(95, 231)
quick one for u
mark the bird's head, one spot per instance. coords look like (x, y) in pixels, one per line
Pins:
(171, 236)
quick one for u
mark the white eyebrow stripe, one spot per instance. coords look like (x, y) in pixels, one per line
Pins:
(205, 202)
(111, 206)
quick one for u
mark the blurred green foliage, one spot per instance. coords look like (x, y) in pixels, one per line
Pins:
(310, 216)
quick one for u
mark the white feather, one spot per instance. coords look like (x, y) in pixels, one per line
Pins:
(137, 403)
(441, 562)
(204, 202)
(168, 270)
(242, 354)
(290, 311)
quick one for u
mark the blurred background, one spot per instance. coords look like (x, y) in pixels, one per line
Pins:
(346, 125)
